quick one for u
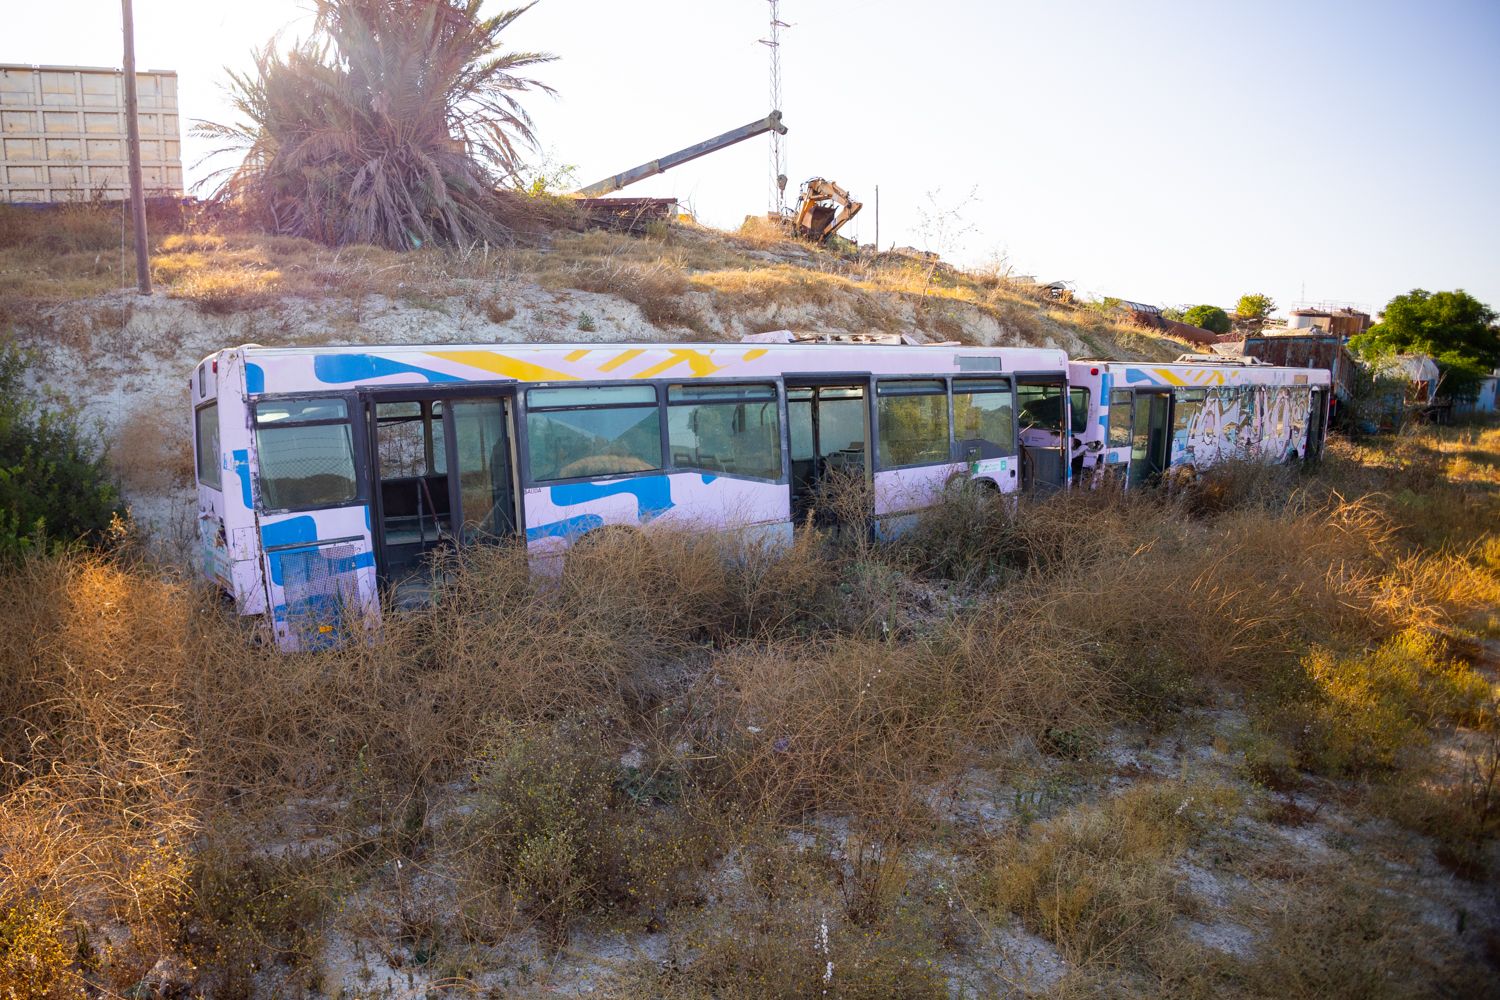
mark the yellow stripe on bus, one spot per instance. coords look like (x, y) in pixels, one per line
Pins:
(491, 361)
(699, 362)
(620, 359)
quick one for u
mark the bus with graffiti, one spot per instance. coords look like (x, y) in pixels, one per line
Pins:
(328, 477)
(1138, 422)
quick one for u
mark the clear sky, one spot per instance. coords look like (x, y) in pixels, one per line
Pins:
(1170, 152)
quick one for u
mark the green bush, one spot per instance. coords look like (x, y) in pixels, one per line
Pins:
(1210, 318)
(55, 487)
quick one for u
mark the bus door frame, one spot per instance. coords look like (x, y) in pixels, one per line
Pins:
(1317, 424)
(827, 380)
(1045, 378)
(1158, 455)
(370, 396)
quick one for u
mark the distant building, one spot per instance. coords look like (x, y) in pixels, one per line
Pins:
(1486, 400)
(62, 133)
(1306, 347)
(1342, 322)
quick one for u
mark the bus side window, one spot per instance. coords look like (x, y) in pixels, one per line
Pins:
(207, 431)
(913, 423)
(733, 430)
(1078, 399)
(583, 431)
(984, 421)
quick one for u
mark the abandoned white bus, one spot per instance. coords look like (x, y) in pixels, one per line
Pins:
(1137, 421)
(327, 474)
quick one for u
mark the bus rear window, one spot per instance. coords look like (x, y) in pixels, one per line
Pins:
(304, 454)
(207, 434)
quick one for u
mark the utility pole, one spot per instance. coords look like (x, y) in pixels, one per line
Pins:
(778, 151)
(877, 218)
(133, 140)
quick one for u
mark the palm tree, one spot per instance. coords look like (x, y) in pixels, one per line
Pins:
(394, 124)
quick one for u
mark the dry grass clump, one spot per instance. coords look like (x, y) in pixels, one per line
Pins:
(604, 633)
(223, 274)
(98, 803)
(1096, 880)
(1338, 935)
(849, 725)
(656, 287)
(558, 826)
(792, 948)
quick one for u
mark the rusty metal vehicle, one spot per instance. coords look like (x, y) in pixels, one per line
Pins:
(822, 209)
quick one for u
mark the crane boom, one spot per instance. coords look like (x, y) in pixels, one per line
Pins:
(770, 123)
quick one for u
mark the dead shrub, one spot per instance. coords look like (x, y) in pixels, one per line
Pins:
(844, 725)
(1096, 880)
(657, 287)
(77, 226)
(1339, 936)
(147, 460)
(553, 825)
(99, 800)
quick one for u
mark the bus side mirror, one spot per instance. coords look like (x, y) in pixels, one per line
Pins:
(1094, 446)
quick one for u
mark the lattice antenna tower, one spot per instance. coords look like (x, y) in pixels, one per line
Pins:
(778, 141)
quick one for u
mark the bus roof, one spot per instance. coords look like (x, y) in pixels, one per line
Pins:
(256, 350)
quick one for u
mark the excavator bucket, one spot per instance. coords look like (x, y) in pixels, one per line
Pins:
(822, 209)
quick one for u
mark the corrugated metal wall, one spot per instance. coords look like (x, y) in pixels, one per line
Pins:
(62, 133)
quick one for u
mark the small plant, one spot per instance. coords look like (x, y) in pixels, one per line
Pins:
(586, 322)
(55, 483)
(34, 962)
(498, 311)
(1353, 714)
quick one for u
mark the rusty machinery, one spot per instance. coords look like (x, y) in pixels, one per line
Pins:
(822, 209)
(771, 123)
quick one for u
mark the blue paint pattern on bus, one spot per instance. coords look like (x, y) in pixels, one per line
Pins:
(570, 527)
(255, 379)
(653, 494)
(242, 470)
(341, 369)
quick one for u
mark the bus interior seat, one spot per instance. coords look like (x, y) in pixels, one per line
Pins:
(413, 507)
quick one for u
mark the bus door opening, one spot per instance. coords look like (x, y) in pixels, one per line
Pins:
(1151, 436)
(444, 476)
(829, 430)
(1317, 425)
(1042, 410)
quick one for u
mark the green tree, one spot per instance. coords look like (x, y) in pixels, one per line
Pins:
(1453, 328)
(394, 124)
(1210, 318)
(1255, 306)
(54, 484)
